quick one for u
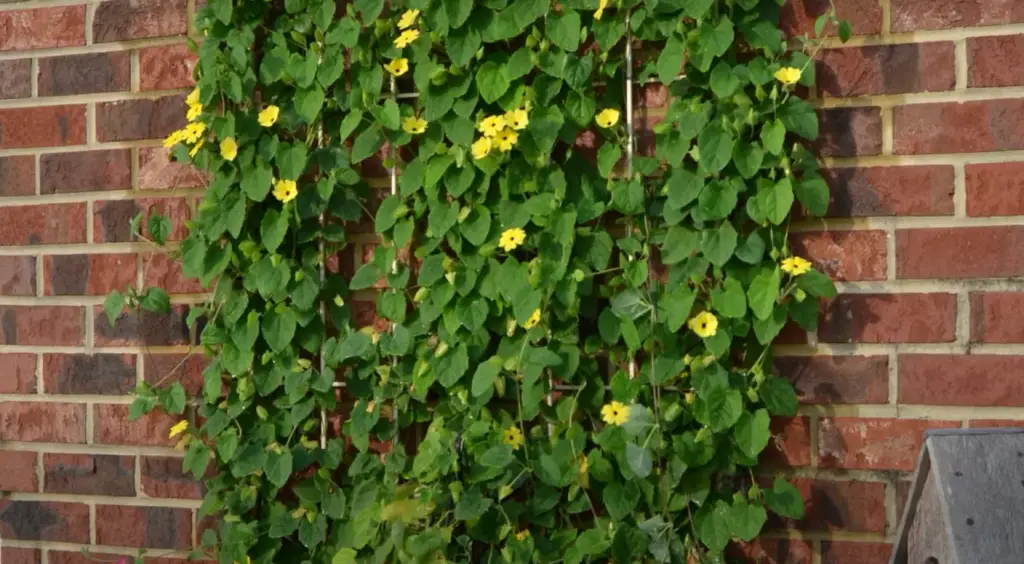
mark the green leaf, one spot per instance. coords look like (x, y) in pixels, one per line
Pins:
(696, 8)
(174, 400)
(718, 244)
(767, 329)
(291, 161)
(729, 299)
(279, 467)
(675, 305)
(113, 306)
(367, 275)
(462, 44)
(353, 345)
(799, 117)
(712, 523)
(484, 377)
(751, 250)
(639, 460)
(752, 433)
(279, 327)
(349, 124)
(580, 107)
(273, 228)
(721, 408)
(388, 114)
(345, 556)
(784, 499)
(256, 181)
(227, 444)
(385, 218)
(620, 499)
(773, 134)
(670, 60)
(845, 30)
(308, 102)
(723, 82)
(564, 30)
(367, 143)
(472, 505)
(716, 146)
(715, 41)
(630, 304)
(680, 243)
(491, 81)
(159, 228)
(519, 64)
(816, 284)
(764, 290)
(683, 187)
(458, 11)
(718, 199)
(812, 191)
(746, 520)
(607, 156)
(477, 225)
(778, 396)
(450, 367)
(748, 159)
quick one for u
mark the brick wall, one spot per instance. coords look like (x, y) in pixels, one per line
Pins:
(923, 135)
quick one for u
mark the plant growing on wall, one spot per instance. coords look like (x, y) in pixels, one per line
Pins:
(573, 360)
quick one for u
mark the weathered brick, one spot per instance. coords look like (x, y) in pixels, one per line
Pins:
(969, 127)
(838, 506)
(914, 15)
(798, 16)
(19, 472)
(132, 120)
(19, 374)
(790, 444)
(887, 69)
(187, 369)
(164, 272)
(995, 189)
(42, 28)
(890, 190)
(112, 219)
(872, 444)
(969, 252)
(843, 255)
(158, 172)
(989, 320)
(15, 78)
(17, 276)
(88, 171)
(993, 61)
(773, 551)
(166, 67)
(163, 477)
(146, 328)
(144, 527)
(889, 318)
(837, 379)
(44, 521)
(42, 225)
(112, 427)
(49, 126)
(842, 552)
(89, 474)
(18, 176)
(84, 74)
(849, 132)
(42, 325)
(107, 374)
(20, 555)
(121, 20)
(42, 422)
(88, 275)
(972, 380)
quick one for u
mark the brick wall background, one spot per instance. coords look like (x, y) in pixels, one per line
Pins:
(923, 135)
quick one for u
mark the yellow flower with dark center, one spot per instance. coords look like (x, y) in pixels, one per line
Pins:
(407, 37)
(414, 125)
(511, 238)
(285, 190)
(704, 324)
(513, 437)
(788, 75)
(795, 266)
(600, 9)
(174, 138)
(194, 110)
(481, 148)
(492, 125)
(195, 150)
(615, 413)
(506, 140)
(178, 428)
(194, 131)
(522, 535)
(408, 19)
(607, 118)
(268, 116)
(193, 97)
(398, 67)
(533, 320)
(517, 119)
(229, 149)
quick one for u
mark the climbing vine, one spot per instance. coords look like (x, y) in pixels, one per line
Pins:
(572, 356)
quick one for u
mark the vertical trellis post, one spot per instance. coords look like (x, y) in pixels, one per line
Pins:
(629, 135)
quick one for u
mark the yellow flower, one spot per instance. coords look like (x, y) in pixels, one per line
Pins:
(615, 413)
(492, 125)
(414, 125)
(512, 238)
(194, 131)
(506, 140)
(193, 111)
(174, 138)
(481, 148)
(268, 116)
(407, 37)
(522, 535)
(600, 9)
(398, 67)
(513, 437)
(408, 18)
(704, 324)
(788, 75)
(195, 150)
(178, 428)
(607, 118)
(285, 190)
(193, 97)
(517, 119)
(795, 266)
(533, 320)
(229, 149)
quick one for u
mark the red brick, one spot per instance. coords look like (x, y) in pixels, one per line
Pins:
(864, 15)
(18, 176)
(42, 225)
(790, 444)
(158, 172)
(42, 325)
(88, 275)
(970, 127)
(44, 521)
(20, 555)
(887, 69)
(88, 474)
(843, 255)
(841, 552)
(112, 427)
(889, 318)
(773, 551)
(101, 374)
(970, 252)
(364, 314)
(187, 369)
(88, 171)
(15, 79)
(993, 61)
(19, 473)
(163, 477)
(995, 423)
(971, 380)
(146, 328)
(19, 375)
(17, 276)
(112, 219)
(837, 379)
(163, 271)
(132, 120)
(849, 132)
(839, 506)
(84, 74)
(49, 126)
(989, 320)
(995, 189)
(42, 422)
(42, 28)
(91, 557)
(873, 444)
(166, 67)
(143, 527)
(913, 15)
(890, 191)
(121, 20)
